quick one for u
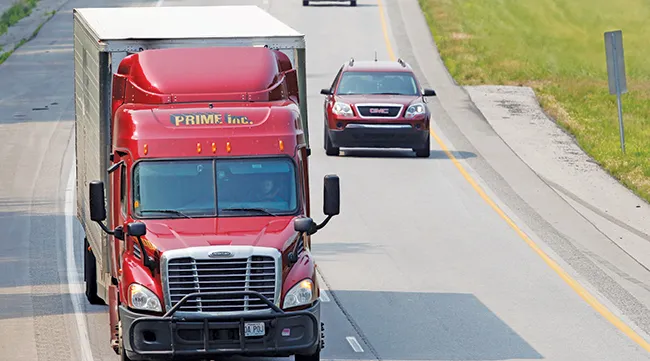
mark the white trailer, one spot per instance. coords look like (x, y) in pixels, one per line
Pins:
(100, 34)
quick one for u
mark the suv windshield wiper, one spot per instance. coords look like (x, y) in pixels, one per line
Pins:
(260, 210)
(179, 213)
(390, 93)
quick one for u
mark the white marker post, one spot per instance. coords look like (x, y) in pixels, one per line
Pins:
(616, 73)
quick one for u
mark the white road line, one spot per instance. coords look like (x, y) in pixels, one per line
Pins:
(75, 283)
(354, 343)
(323, 296)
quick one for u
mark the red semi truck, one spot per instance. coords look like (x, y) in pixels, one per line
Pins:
(195, 154)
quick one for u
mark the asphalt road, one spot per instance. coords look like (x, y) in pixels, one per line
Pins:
(419, 265)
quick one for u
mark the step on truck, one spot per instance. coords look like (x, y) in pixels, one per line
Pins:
(192, 182)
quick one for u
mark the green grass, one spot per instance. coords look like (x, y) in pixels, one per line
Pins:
(19, 10)
(5, 55)
(557, 48)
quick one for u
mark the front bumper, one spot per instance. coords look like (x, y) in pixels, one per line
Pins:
(358, 135)
(200, 337)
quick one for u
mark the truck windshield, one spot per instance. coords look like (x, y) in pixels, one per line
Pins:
(360, 82)
(209, 188)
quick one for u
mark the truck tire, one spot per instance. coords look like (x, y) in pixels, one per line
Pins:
(90, 275)
(313, 357)
(330, 149)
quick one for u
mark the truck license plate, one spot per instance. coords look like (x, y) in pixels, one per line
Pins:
(252, 329)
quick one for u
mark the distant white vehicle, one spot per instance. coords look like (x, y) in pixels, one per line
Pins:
(306, 2)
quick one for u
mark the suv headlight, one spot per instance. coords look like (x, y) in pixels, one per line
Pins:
(342, 109)
(415, 109)
(141, 298)
(299, 295)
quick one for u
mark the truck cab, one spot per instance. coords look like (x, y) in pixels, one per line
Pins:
(206, 200)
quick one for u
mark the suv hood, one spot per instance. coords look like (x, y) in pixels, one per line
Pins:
(168, 234)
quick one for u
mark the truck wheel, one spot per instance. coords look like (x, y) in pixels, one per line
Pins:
(330, 149)
(313, 357)
(425, 151)
(90, 275)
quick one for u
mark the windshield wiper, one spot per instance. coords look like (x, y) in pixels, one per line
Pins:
(260, 210)
(179, 213)
(390, 93)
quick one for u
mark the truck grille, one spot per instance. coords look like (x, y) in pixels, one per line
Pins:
(383, 111)
(188, 275)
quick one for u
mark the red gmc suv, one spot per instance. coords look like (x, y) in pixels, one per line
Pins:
(376, 104)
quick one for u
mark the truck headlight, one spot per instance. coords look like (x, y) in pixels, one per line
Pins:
(342, 109)
(141, 298)
(299, 295)
(415, 109)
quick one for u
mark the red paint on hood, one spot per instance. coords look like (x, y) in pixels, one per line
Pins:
(168, 234)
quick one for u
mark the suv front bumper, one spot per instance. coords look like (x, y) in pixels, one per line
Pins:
(364, 135)
(201, 337)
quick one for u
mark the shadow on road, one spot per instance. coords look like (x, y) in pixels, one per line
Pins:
(401, 153)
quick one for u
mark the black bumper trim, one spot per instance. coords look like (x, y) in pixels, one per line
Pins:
(379, 138)
(198, 337)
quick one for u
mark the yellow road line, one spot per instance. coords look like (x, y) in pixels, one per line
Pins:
(579, 289)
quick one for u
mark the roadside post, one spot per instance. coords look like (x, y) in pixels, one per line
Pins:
(616, 73)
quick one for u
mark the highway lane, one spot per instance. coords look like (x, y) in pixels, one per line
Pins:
(422, 266)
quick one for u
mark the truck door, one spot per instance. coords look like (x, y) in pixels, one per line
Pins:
(119, 211)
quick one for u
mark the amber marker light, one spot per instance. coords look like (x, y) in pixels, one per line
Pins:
(228, 147)
(281, 145)
(198, 147)
(146, 149)
(214, 147)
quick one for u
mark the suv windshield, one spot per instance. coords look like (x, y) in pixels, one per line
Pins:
(358, 82)
(207, 188)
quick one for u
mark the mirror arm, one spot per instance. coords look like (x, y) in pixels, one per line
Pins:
(104, 228)
(317, 227)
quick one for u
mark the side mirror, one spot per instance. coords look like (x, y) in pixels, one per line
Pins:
(331, 195)
(325, 92)
(97, 207)
(136, 229)
(429, 93)
(303, 225)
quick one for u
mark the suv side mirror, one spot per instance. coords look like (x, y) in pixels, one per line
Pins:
(97, 206)
(136, 229)
(331, 195)
(429, 93)
(325, 92)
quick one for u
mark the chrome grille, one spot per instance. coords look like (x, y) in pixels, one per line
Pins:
(187, 275)
(382, 111)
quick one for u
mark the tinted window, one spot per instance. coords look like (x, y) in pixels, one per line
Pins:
(357, 82)
(206, 188)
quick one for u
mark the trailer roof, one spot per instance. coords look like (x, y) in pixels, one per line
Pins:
(183, 22)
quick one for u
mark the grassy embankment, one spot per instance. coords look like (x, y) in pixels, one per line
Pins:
(557, 48)
(18, 11)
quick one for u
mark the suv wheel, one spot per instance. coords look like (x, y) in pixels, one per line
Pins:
(305, 2)
(330, 149)
(425, 151)
(353, 3)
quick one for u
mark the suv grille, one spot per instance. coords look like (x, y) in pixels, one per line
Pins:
(188, 275)
(385, 111)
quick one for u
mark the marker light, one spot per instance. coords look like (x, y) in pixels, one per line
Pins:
(228, 147)
(146, 149)
(198, 147)
(281, 145)
(214, 147)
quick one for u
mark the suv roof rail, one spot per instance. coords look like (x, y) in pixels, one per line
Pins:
(402, 63)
